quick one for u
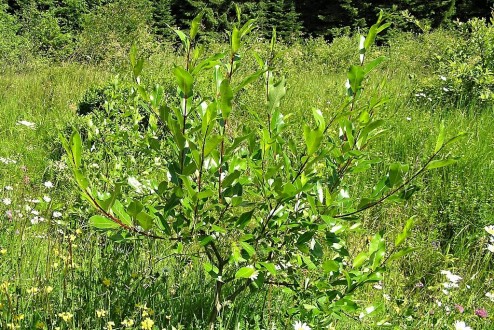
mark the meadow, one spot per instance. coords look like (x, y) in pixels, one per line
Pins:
(58, 272)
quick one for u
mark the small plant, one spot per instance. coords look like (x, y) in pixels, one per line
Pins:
(263, 206)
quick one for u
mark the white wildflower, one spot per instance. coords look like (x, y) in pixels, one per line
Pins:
(27, 124)
(48, 184)
(7, 161)
(57, 214)
(344, 193)
(460, 325)
(489, 229)
(7, 201)
(47, 199)
(301, 326)
(9, 188)
(450, 276)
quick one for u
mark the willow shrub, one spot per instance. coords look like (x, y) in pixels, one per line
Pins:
(265, 204)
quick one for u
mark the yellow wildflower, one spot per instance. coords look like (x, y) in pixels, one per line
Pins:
(40, 325)
(78, 231)
(101, 313)
(3, 251)
(66, 316)
(106, 282)
(48, 289)
(33, 290)
(147, 324)
(128, 323)
(13, 326)
(19, 317)
(110, 325)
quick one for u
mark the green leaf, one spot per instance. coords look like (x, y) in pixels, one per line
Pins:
(137, 69)
(134, 208)
(76, 148)
(249, 79)
(235, 40)
(356, 75)
(305, 237)
(244, 272)
(377, 243)
(101, 222)
(368, 129)
(440, 138)
(145, 220)
(373, 64)
(248, 248)
(405, 233)
(270, 267)
(211, 269)
(276, 92)
(218, 229)
(273, 40)
(319, 117)
(236, 255)
(184, 80)
(133, 55)
(312, 139)
(205, 240)
(207, 63)
(440, 163)
(230, 178)
(195, 24)
(81, 179)
(307, 260)
(183, 38)
(402, 253)
(120, 213)
(330, 266)
(395, 174)
(377, 250)
(360, 259)
(226, 95)
(247, 27)
(456, 138)
(383, 27)
(244, 219)
(108, 203)
(211, 144)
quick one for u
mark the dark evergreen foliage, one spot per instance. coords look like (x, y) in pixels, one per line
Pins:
(54, 24)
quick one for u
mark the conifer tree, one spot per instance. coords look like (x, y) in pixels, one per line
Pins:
(279, 14)
(162, 17)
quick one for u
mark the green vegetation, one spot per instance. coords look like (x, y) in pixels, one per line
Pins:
(226, 147)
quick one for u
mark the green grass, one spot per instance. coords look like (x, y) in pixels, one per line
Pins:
(451, 210)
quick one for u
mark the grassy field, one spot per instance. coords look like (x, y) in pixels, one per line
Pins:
(57, 273)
